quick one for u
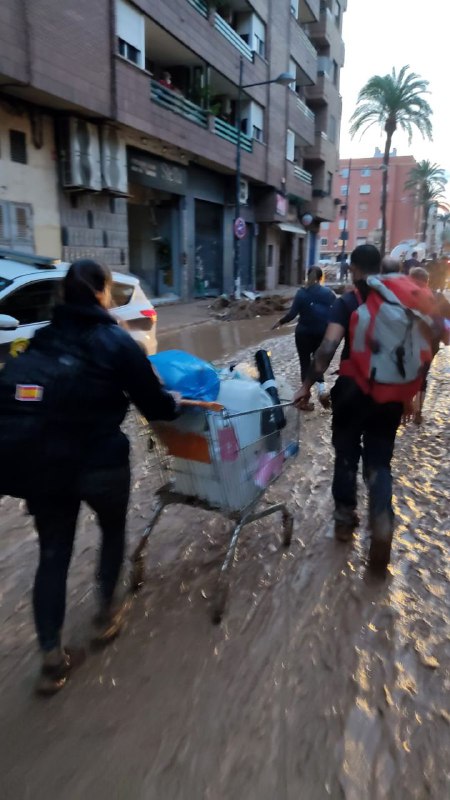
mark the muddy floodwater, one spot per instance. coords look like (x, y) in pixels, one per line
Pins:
(321, 682)
(216, 341)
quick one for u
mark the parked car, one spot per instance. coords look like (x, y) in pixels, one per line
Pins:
(30, 287)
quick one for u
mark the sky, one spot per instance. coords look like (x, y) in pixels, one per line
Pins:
(381, 34)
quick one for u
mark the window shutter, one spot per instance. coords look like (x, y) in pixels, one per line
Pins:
(22, 227)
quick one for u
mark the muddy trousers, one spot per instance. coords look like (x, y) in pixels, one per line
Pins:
(307, 345)
(362, 428)
(107, 493)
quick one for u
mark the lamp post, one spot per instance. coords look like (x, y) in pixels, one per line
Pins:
(284, 79)
(344, 229)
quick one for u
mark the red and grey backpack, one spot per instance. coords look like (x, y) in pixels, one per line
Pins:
(390, 341)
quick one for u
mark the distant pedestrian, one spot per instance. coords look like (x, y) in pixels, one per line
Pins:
(344, 269)
(312, 304)
(411, 262)
(442, 312)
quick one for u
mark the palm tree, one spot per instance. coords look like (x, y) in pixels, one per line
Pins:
(392, 101)
(445, 219)
(429, 181)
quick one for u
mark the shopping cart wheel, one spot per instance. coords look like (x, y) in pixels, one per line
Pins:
(288, 527)
(137, 574)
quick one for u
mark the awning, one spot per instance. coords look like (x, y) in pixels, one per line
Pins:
(291, 228)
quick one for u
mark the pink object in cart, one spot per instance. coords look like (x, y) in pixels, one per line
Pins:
(270, 466)
(228, 444)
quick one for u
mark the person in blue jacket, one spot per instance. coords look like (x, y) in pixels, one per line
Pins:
(312, 305)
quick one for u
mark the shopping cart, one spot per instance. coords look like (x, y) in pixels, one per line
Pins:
(223, 462)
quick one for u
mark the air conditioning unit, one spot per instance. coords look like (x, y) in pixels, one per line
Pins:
(114, 161)
(243, 193)
(79, 149)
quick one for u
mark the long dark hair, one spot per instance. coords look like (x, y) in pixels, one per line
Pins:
(84, 278)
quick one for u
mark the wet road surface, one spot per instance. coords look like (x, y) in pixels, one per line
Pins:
(322, 682)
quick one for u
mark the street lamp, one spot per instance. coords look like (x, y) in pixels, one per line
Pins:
(284, 79)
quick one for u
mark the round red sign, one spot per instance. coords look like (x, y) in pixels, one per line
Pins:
(240, 228)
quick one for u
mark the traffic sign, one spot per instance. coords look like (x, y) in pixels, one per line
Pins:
(240, 228)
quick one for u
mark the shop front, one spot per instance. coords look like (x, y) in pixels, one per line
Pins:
(155, 223)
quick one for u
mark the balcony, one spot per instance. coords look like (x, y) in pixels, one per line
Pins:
(201, 6)
(298, 182)
(323, 150)
(301, 119)
(174, 101)
(326, 34)
(323, 207)
(230, 133)
(305, 10)
(323, 93)
(230, 34)
(303, 175)
(304, 53)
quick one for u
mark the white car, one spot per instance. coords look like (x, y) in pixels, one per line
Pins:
(30, 287)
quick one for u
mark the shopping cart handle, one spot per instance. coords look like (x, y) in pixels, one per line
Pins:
(201, 404)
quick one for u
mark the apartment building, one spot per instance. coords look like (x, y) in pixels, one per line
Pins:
(358, 184)
(118, 135)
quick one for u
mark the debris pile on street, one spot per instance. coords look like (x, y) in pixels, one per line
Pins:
(249, 307)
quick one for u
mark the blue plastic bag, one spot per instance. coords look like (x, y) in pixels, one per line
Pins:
(182, 372)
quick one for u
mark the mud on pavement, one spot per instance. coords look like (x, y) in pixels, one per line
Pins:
(321, 682)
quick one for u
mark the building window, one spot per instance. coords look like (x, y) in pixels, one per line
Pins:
(18, 147)
(294, 8)
(290, 146)
(324, 226)
(130, 30)
(344, 189)
(329, 183)
(366, 172)
(293, 71)
(361, 240)
(364, 188)
(363, 224)
(342, 224)
(337, 13)
(332, 128)
(16, 226)
(335, 73)
(253, 31)
(129, 52)
(345, 172)
(270, 255)
(363, 206)
(253, 121)
(323, 242)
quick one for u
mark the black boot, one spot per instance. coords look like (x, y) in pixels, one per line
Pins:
(345, 521)
(382, 531)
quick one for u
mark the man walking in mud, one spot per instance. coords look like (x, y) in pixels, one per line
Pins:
(360, 425)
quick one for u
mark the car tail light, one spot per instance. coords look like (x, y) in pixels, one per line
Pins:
(150, 313)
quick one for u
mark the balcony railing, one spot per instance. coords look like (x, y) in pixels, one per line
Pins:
(230, 133)
(303, 175)
(175, 102)
(229, 33)
(304, 108)
(201, 6)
